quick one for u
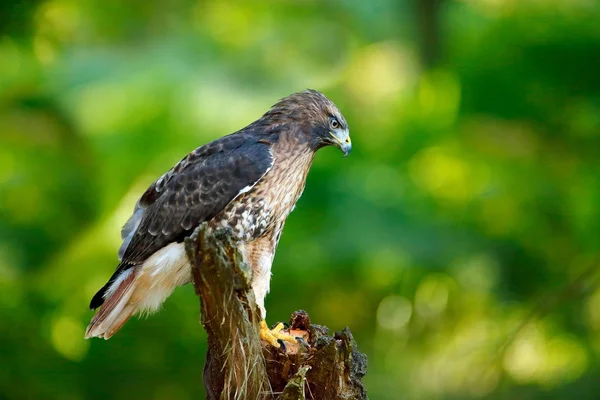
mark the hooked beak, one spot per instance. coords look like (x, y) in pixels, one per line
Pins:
(341, 138)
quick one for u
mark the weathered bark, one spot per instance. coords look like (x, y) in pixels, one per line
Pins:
(239, 365)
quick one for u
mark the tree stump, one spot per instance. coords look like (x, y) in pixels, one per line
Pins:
(238, 364)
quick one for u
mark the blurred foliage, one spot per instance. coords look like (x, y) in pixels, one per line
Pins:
(458, 241)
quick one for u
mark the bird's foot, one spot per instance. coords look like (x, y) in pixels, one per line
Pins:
(274, 336)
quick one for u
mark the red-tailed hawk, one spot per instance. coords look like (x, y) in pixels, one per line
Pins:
(248, 181)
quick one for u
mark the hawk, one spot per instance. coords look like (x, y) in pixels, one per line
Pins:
(248, 181)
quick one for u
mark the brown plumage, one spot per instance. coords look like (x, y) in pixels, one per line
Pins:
(248, 181)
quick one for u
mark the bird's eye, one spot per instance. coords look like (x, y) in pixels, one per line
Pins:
(334, 123)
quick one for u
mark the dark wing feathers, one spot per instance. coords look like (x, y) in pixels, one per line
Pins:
(193, 191)
(198, 188)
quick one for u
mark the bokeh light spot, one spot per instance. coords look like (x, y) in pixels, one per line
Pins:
(44, 50)
(478, 273)
(383, 266)
(394, 312)
(381, 71)
(67, 338)
(446, 175)
(431, 297)
(536, 356)
(228, 22)
(59, 19)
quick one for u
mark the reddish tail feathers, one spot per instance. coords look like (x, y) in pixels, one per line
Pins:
(115, 311)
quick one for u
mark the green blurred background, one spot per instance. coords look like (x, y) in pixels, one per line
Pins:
(457, 241)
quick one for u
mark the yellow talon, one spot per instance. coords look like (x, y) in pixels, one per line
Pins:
(271, 335)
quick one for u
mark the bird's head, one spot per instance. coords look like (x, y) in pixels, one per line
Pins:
(320, 122)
